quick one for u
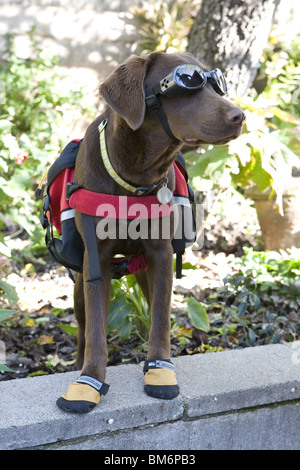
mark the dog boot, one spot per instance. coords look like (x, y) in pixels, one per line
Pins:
(83, 395)
(160, 379)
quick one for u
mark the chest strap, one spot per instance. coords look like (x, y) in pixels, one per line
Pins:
(122, 207)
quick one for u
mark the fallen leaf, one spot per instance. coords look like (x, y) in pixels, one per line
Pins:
(45, 339)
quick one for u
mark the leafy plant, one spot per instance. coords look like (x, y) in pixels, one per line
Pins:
(197, 314)
(4, 314)
(8, 295)
(128, 309)
(265, 154)
(260, 156)
(38, 108)
(164, 25)
(261, 302)
(281, 71)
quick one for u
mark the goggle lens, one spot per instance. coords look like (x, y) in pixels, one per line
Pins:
(189, 77)
(218, 81)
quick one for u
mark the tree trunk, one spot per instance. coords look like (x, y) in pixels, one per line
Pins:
(231, 35)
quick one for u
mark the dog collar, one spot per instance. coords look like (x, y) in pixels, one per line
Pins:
(138, 191)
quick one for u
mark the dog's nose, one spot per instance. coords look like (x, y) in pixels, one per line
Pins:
(235, 115)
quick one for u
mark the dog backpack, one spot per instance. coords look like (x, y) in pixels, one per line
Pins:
(67, 248)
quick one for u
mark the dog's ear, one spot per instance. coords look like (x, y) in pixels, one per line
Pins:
(124, 90)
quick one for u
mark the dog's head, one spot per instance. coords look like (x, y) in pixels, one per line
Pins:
(202, 116)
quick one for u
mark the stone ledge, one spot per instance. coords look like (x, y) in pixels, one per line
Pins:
(235, 399)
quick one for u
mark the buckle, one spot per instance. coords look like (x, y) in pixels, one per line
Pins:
(143, 190)
(44, 220)
(152, 100)
(119, 268)
(70, 189)
(45, 209)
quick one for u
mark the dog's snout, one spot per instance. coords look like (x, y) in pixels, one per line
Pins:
(235, 115)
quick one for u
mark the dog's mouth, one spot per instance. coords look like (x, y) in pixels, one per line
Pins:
(225, 140)
(194, 142)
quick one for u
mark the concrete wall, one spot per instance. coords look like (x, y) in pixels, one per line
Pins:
(242, 399)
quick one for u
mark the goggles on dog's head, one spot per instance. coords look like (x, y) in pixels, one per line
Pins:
(188, 78)
(184, 79)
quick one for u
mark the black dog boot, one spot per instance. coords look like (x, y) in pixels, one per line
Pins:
(83, 395)
(160, 379)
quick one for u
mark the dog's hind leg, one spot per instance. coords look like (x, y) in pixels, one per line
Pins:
(141, 277)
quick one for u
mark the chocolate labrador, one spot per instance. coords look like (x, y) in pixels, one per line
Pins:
(155, 105)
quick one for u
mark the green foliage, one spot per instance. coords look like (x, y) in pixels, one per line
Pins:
(6, 313)
(128, 309)
(70, 330)
(269, 146)
(261, 156)
(4, 368)
(261, 302)
(37, 110)
(257, 305)
(8, 295)
(197, 314)
(164, 25)
(281, 71)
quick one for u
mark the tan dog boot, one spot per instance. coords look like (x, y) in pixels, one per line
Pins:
(83, 395)
(160, 379)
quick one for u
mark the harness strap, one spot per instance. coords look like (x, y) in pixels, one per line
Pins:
(89, 232)
(179, 265)
(121, 207)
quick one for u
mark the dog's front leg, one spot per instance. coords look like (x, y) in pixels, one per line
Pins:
(84, 394)
(160, 378)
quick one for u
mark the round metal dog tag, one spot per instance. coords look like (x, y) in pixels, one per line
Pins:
(164, 195)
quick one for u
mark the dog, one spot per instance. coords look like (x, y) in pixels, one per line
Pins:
(150, 114)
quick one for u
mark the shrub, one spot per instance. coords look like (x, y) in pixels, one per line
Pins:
(37, 111)
(260, 303)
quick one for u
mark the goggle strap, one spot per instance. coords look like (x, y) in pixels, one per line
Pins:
(164, 122)
(153, 102)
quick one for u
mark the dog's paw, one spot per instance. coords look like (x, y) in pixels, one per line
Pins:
(83, 395)
(160, 379)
